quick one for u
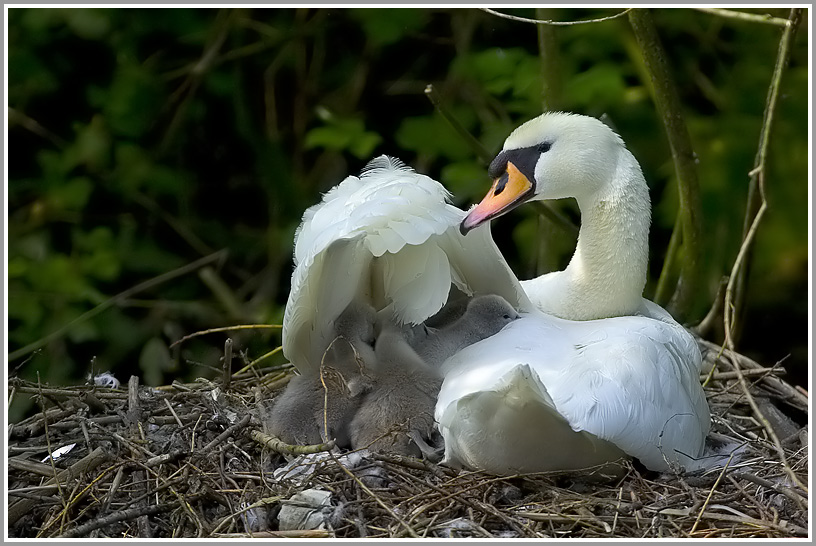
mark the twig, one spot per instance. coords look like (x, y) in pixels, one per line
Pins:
(256, 504)
(298, 533)
(548, 55)
(789, 492)
(123, 515)
(155, 281)
(704, 327)
(783, 527)
(227, 329)
(667, 281)
(227, 433)
(737, 271)
(743, 16)
(274, 351)
(226, 375)
(86, 464)
(279, 446)
(475, 145)
(710, 493)
(377, 499)
(667, 101)
(554, 23)
(746, 373)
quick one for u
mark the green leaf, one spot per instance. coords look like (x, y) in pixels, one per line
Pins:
(71, 195)
(344, 135)
(389, 25)
(432, 137)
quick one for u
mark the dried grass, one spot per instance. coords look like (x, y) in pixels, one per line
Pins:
(187, 461)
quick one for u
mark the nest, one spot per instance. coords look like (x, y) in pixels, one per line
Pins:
(190, 460)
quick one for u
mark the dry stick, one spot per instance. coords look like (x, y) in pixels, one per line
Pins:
(86, 464)
(737, 270)
(257, 504)
(705, 326)
(150, 283)
(771, 381)
(747, 373)
(665, 288)
(118, 516)
(710, 494)
(262, 357)
(475, 145)
(377, 499)
(132, 419)
(474, 504)
(667, 101)
(226, 434)
(226, 376)
(789, 492)
(550, 63)
(743, 16)
(757, 175)
(225, 329)
(553, 23)
(74, 500)
(279, 446)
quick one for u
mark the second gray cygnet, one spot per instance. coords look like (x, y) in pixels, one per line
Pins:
(484, 316)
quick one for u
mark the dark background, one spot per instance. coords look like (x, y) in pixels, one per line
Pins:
(141, 140)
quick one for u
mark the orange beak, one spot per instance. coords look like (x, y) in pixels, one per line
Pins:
(508, 191)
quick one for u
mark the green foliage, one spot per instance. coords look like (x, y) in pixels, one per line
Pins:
(143, 139)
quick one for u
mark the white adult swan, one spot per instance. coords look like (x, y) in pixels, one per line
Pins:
(573, 387)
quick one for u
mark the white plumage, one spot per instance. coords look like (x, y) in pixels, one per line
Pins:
(620, 373)
(547, 392)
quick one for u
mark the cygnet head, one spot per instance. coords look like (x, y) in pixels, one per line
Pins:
(489, 314)
(553, 156)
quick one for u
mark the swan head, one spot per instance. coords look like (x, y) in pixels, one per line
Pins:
(553, 156)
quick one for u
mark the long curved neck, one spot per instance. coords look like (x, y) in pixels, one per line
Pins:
(607, 273)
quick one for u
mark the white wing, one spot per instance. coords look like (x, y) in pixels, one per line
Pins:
(389, 238)
(631, 381)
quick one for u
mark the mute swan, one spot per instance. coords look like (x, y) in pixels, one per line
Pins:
(576, 386)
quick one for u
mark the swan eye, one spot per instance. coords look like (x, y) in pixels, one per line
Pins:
(543, 147)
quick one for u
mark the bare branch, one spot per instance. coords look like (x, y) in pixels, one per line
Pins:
(554, 23)
(155, 281)
(667, 101)
(743, 16)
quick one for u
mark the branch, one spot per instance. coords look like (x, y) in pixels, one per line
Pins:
(475, 145)
(667, 102)
(758, 177)
(155, 281)
(750, 17)
(226, 329)
(554, 23)
(756, 184)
